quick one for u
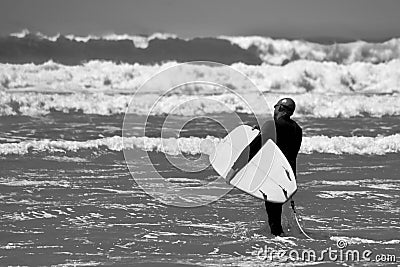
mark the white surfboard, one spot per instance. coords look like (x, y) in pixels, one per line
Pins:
(228, 150)
(267, 176)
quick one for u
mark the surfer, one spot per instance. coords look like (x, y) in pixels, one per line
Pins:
(287, 134)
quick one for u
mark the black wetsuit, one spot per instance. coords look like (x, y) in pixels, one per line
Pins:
(287, 134)
(288, 139)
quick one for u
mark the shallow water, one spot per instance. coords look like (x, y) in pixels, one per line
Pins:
(81, 206)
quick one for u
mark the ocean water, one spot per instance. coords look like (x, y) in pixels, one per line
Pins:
(71, 204)
(69, 197)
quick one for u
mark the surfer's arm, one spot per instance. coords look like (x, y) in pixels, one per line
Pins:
(268, 132)
(230, 175)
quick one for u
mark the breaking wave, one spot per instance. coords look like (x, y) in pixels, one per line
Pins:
(28, 47)
(360, 145)
(280, 52)
(139, 41)
(71, 49)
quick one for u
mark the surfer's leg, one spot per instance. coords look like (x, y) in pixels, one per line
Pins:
(274, 212)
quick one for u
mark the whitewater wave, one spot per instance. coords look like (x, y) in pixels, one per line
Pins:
(379, 145)
(319, 89)
(307, 105)
(297, 77)
(360, 145)
(171, 146)
(33, 104)
(267, 50)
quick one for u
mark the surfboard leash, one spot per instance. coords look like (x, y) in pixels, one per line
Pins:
(297, 220)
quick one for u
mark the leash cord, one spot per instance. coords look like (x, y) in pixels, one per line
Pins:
(297, 221)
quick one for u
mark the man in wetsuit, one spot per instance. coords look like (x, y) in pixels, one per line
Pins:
(288, 138)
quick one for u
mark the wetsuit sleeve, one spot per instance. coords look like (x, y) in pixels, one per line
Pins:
(268, 131)
(248, 153)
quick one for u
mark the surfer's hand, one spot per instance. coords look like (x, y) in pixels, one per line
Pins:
(230, 176)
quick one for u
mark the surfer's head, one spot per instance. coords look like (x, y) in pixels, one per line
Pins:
(285, 106)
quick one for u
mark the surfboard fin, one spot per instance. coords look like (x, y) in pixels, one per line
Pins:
(285, 193)
(264, 195)
(288, 174)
